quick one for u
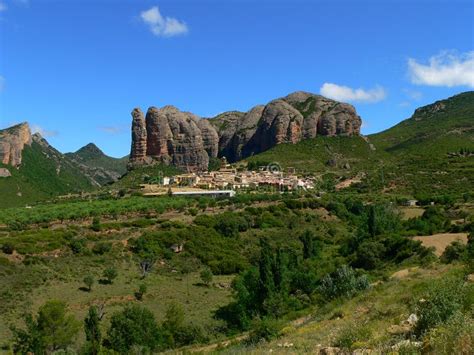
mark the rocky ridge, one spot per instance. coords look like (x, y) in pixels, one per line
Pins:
(170, 136)
(12, 142)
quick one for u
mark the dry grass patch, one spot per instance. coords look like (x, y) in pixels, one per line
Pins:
(441, 241)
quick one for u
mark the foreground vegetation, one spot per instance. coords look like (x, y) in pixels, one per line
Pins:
(198, 271)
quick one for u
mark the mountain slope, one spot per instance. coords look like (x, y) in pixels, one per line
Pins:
(32, 170)
(430, 153)
(44, 172)
(100, 167)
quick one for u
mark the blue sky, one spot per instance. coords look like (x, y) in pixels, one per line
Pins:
(75, 69)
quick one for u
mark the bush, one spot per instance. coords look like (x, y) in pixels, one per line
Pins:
(101, 248)
(454, 251)
(441, 301)
(206, 276)
(265, 329)
(77, 245)
(193, 211)
(342, 283)
(352, 336)
(141, 291)
(454, 337)
(8, 248)
(110, 274)
(95, 226)
(89, 281)
(177, 332)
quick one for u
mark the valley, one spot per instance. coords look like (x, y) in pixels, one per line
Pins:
(334, 243)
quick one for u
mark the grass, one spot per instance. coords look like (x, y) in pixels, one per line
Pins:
(163, 287)
(313, 155)
(365, 321)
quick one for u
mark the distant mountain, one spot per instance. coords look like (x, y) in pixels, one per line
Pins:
(98, 166)
(31, 169)
(170, 136)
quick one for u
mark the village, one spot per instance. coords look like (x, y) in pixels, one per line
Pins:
(228, 179)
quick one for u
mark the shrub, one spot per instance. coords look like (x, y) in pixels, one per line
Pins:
(454, 337)
(342, 283)
(351, 335)
(440, 302)
(95, 226)
(369, 254)
(77, 245)
(176, 331)
(264, 329)
(141, 291)
(454, 251)
(89, 281)
(193, 211)
(8, 248)
(101, 248)
(110, 274)
(206, 276)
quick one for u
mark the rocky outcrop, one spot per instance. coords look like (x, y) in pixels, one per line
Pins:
(139, 136)
(12, 142)
(172, 137)
(4, 172)
(187, 141)
(210, 138)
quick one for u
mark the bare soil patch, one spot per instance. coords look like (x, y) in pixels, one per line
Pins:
(441, 241)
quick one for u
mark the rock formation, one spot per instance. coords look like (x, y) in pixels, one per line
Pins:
(170, 136)
(12, 142)
(139, 138)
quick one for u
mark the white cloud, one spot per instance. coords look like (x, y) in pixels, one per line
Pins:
(445, 69)
(345, 93)
(3, 6)
(163, 26)
(44, 132)
(111, 129)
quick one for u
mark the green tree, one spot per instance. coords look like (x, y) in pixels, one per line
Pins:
(58, 329)
(28, 340)
(141, 292)
(206, 276)
(53, 329)
(311, 248)
(92, 330)
(265, 268)
(89, 281)
(134, 325)
(174, 318)
(110, 274)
